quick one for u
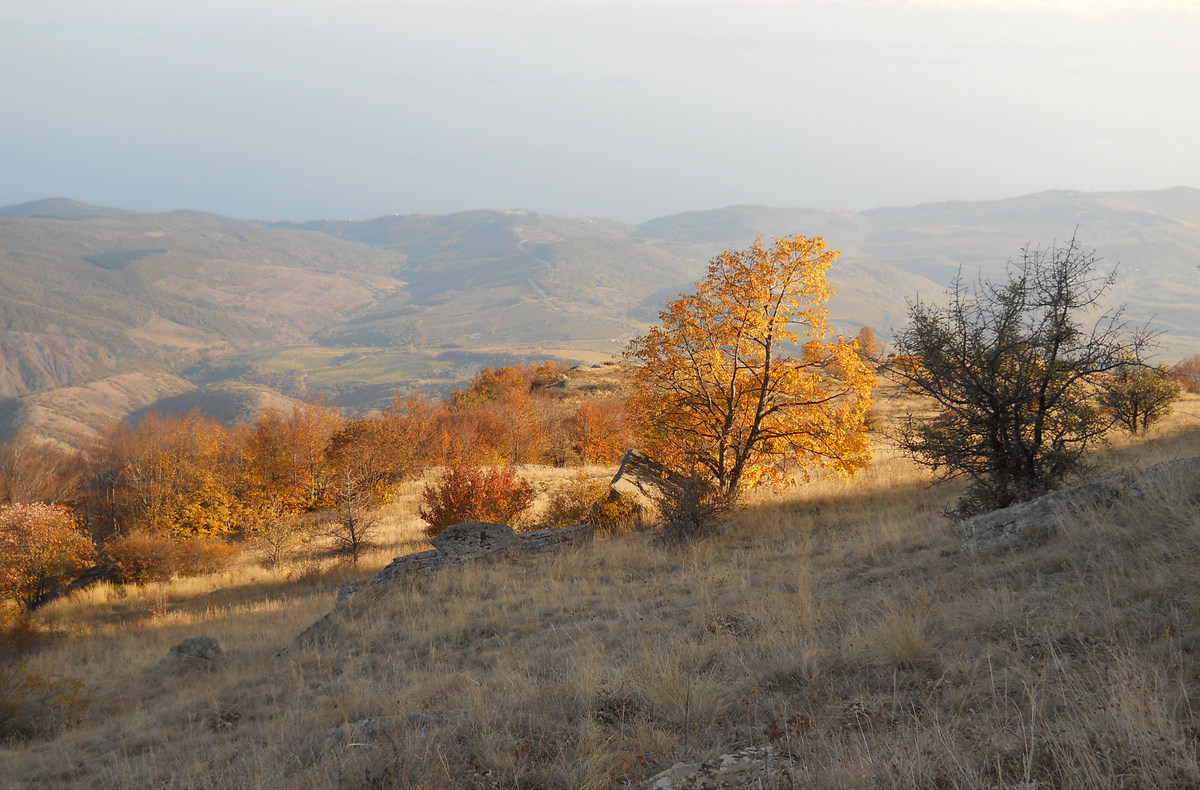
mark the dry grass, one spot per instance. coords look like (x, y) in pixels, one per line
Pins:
(835, 621)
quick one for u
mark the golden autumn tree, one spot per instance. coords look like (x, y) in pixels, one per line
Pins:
(168, 476)
(741, 385)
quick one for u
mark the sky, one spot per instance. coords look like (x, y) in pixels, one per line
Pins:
(624, 109)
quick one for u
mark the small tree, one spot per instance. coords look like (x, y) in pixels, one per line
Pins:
(739, 385)
(367, 459)
(41, 548)
(1188, 372)
(355, 521)
(1014, 371)
(1139, 396)
(869, 345)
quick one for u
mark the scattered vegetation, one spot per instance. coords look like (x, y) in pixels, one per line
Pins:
(588, 500)
(1139, 395)
(837, 625)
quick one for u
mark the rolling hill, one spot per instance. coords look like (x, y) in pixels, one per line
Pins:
(355, 310)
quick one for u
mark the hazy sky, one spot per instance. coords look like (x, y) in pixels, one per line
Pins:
(299, 109)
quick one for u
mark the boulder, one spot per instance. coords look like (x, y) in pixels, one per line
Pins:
(1038, 518)
(473, 539)
(641, 476)
(545, 540)
(466, 542)
(203, 651)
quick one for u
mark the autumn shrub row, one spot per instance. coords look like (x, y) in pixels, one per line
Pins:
(165, 496)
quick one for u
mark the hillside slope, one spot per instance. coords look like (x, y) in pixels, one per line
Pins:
(91, 292)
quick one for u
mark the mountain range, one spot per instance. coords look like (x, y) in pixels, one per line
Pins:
(104, 312)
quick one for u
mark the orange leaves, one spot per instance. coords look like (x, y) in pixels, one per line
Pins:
(467, 492)
(739, 380)
(598, 431)
(166, 476)
(41, 547)
(284, 456)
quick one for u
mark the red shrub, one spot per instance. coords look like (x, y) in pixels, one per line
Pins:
(468, 493)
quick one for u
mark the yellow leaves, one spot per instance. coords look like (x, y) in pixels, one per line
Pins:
(716, 388)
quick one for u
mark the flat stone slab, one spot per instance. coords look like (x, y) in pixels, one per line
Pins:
(473, 539)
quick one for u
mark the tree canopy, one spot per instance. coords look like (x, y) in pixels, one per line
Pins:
(739, 381)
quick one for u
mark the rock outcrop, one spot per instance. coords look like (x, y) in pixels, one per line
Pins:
(462, 543)
(367, 734)
(198, 651)
(641, 476)
(1038, 518)
(750, 767)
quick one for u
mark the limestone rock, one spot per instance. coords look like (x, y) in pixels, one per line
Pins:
(749, 767)
(197, 651)
(371, 733)
(466, 542)
(1038, 518)
(639, 476)
(545, 540)
(461, 542)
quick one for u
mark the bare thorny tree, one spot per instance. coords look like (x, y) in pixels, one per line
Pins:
(1014, 369)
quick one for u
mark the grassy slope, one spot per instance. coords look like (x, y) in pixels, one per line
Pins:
(837, 622)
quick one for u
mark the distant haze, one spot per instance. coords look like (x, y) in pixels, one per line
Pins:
(299, 109)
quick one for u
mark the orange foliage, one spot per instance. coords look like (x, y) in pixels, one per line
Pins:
(869, 345)
(467, 492)
(1188, 372)
(284, 457)
(41, 547)
(497, 419)
(35, 470)
(170, 476)
(599, 432)
(907, 363)
(739, 381)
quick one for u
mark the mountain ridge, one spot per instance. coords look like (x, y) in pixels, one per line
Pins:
(355, 309)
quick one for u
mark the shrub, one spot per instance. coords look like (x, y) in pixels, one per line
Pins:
(590, 501)
(277, 534)
(201, 555)
(1013, 368)
(688, 505)
(1188, 372)
(141, 558)
(34, 705)
(1139, 396)
(41, 548)
(469, 493)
